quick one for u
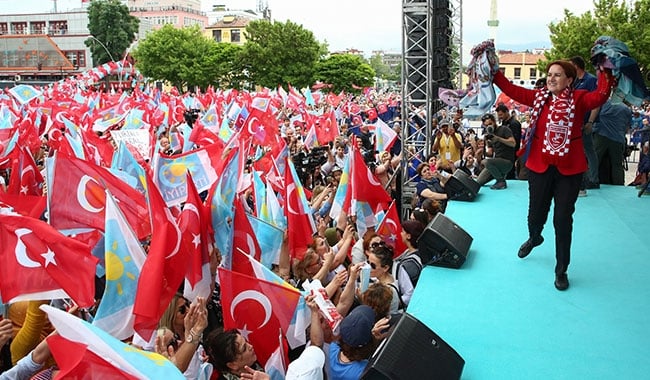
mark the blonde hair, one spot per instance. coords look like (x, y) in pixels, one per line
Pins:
(167, 319)
(300, 266)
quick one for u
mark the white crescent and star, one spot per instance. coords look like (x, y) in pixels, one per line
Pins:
(257, 297)
(192, 208)
(21, 250)
(372, 180)
(174, 251)
(81, 195)
(290, 189)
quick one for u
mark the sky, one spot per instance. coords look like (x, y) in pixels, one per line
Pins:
(369, 25)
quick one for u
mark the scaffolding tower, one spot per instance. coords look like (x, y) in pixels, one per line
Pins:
(431, 58)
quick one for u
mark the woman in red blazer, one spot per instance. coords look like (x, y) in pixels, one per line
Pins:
(554, 153)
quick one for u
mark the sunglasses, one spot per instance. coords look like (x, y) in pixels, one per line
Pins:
(184, 308)
(372, 265)
(376, 245)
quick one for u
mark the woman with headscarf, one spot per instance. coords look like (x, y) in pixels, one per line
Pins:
(554, 153)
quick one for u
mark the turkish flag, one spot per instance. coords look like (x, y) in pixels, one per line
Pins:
(372, 114)
(333, 100)
(390, 230)
(37, 261)
(365, 186)
(382, 108)
(28, 205)
(299, 219)
(261, 126)
(163, 270)
(77, 197)
(244, 236)
(258, 309)
(26, 178)
(327, 129)
(194, 230)
(76, 361)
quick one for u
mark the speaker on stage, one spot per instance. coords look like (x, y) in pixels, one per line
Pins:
(461, 187)
(444, 243)
(413, 351)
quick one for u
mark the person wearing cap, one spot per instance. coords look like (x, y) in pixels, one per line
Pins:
(349, 356)
(503, 146)
(448, 144)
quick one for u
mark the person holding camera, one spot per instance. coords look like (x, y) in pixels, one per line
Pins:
(503, 147)
(448, 144)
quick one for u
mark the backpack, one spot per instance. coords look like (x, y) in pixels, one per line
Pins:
(412, 265)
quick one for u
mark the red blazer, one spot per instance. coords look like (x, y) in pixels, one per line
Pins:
(575, 161)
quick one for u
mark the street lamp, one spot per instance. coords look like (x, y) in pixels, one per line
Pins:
(104, 46)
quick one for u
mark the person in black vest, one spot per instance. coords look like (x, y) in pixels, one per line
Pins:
(503, 146)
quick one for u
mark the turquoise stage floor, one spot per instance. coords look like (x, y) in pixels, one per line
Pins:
(506, 319)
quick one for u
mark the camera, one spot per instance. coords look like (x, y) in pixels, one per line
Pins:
(489, 132)
(191, 116)
(305, 163)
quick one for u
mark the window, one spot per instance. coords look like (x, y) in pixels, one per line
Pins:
(18, 28)
(58, 27)
(235, 35)
(517, 72)
(37, 27)
(3, 28)
(216, 34)
(76, 57)
(533, 73)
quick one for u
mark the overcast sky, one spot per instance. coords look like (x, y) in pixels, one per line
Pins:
(377, 24)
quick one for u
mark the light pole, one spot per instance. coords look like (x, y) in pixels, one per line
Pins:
(104, 46)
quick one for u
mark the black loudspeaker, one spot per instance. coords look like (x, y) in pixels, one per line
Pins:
(461, 187)
(413, 351)
(444, 243)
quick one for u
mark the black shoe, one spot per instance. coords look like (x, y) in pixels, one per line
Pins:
(561, 281)
(592, 185)
(528, 246)
(500, 185)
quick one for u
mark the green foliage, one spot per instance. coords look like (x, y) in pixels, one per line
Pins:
(279, 53)
(381, 69)
(113, 28)
(344, 71)
(187, 58)
(575, 35)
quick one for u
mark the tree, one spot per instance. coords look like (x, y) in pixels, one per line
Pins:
(280, 53)
(344, 72)
(381, 69)
(186, 58)
(112, 30)
(575, 35)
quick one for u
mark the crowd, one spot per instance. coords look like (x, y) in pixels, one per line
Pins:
(191, 332)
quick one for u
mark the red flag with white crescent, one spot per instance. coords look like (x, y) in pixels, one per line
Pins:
(258, 309)
(38, 263)
(390, 230)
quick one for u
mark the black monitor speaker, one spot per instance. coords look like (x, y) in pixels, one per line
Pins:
(444, 243)
(413, 351)
(461, 187)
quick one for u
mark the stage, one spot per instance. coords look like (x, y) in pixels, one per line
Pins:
(503, 315)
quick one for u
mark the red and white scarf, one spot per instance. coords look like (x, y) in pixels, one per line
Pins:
(557, 138)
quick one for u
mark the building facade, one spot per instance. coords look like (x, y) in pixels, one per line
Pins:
(42, 47)
(179, 13)
(521, 67)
